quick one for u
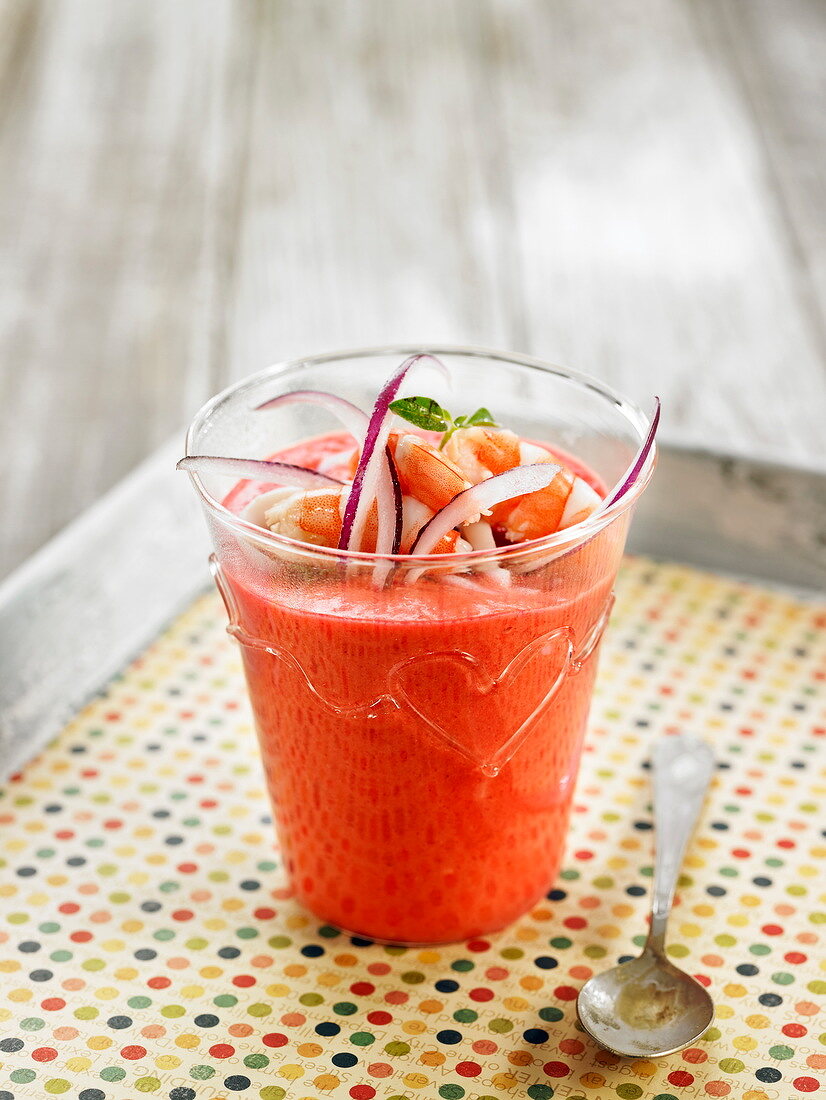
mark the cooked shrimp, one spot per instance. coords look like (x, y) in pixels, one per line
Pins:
(414, 516)
(582, 502)
(536, 514)
(482, 452)
(314, 516)
(424, 472)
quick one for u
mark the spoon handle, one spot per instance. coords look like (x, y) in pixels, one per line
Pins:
(683, 767)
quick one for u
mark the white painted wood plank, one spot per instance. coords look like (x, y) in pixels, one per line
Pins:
(650, 246)
(118, 134)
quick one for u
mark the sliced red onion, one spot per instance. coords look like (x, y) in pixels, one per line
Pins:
(398, 513)
(354, 419)
(371, 462)
(479, 498)
(634, 470)
(258, 469)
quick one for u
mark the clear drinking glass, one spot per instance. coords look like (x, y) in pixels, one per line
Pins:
(421, 719)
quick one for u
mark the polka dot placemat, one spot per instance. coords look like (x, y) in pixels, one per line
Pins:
(149, 944)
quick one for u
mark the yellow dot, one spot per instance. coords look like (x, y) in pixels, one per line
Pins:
(78, 1065)
(737, 920)
(744, 1042)
(504, 1081)
(428, 957)
(98, 1042)
(328, 979)
(703, 910)
(215, 924)
(750, 900)
(517, 1004)
(232, 905)
(132, 926)
(690, 930)
(414, 1027)
(531, 982)
(167, 1061)
(725, 1012)
(8, 966)
(432, 1058)
(416, 1080)
(57, 880)
(138, 878)
(291, 1072)
(187, 1041)
(309, 1050)
(526, 934)
(757, 1022)
(20, 995)
(210, 972)
(113, 945)
(622, 910)
(617, 863)
(108, 993)
(608, 932)
(277, 990)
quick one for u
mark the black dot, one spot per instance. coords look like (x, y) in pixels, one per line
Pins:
(798, 706)
(635, 891)
(78, 748)
(723, 765)
(150, 906)
(28, 947)
(545, 962)
(327, 1028)
(344, 1061)
(625, 958)
(449, 1036)
(720, 826)
(41, 975)
(642, 723)
(770, 1000)
(182, 1093)
(9, 1046)
(173, 840)
(557, 895)
(153, 748)
(206, 1020)
(643, 826)
(199, 737)
(798, 763)
(312, 950)
(535, 1035)
(360, 941)
(75, 861)
(447, 985)
(91, 1094)
(6, 1095)
(727, 706)
(119, 1022)
(53, 808)
(236, 1082)
(26, 872)
(748, 970)
(250, 884)
(716, 891)
(768, 1074)
(762, 880)
(229, 952)
(160, 813)
(145, 953)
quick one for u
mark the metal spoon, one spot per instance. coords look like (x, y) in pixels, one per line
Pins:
(648, 1007)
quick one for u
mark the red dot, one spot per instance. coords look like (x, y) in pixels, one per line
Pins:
(53, 1004)
(194, 779)
(695, 1056)
(275, 1039)
(571, 1046)
(133, 1053)
(379, 969)
(795, 957)
(159, 983)
(205, 803)
(113, 823)
(681, 1078)
(243, 980)
(583, 853)
(80, 937)
(362, 1092)
(362, 989)
(772, 929)
(187, 868)
(468, 1069)
(481, 994)
(743, 790)
(396, 997)
(788, 844)
(795, 1031)
(44, 1054)
(805, 1084)
(183, 914)
(264, 914)
(478, 945)
(222, 1050)
(65, 834)
(575, 922)
(565, 993)
(69, 907)
(379, 1017)
(703, 979)
(741, 853)
(556, 1069)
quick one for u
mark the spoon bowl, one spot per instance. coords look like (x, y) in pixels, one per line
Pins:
(644, 1008)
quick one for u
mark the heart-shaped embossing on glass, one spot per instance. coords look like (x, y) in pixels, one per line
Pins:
(484, 714)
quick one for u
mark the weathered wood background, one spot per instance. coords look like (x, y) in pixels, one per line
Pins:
(192, 189)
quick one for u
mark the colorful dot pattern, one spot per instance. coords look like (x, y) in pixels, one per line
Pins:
(149, 944)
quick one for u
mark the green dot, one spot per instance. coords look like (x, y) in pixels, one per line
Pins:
(44, 853)
(725, 940)
(412, 977)
(259, 1010)
(817, 986)
(17, 918)
(225, 1000)
(192, 821)
(168, 887)
(279, 941)
(465, 1015)
(172, 1012)
(197, 943)
(462, 965)
(540, 1092)
(113, 1073)
(95, 842)
(731, 1065)
(139, 1002)
(760, 949)
(659, 1096)
(345, 1008)
(512, 953)
(61, 956)
(629, 1091)
(362, 1038)
(87, 1012)
(560, 942)
(604, 882)
(712, 1034)
(638, 941)
(269, 865)
(56, 1085)
(451, 1092)
(595, 951)
(677, 950)
(247, 933)
(648, 872)
(397, 1048)
(49, 926)
(610, 817)
(392, 949)
(500, 1026)
(202, 1073)
(119, 897)
(326, 930)
(93, 964)
(272, 1092)
(773, 861)
(782, 977)
(570, 875)
(817, 918)
(22, 1076)
(147, 1084)
(256, 1061)
(729, 872)
(32, 1023)
(781, 1053)
(164, 935)
(550, 1014)
(218, 876)
(311, 999)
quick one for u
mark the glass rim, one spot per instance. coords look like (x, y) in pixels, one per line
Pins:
(561, 541)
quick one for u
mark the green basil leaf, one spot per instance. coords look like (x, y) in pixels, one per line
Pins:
(424, 412)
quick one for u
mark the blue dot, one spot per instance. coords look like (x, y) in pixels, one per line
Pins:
(206, 1019)
(250, 884)
(312, 950)
(557, 895)
(26, 872)
(762, 880)
(344, 1061)
(625, 958)
(635, 891)
(229, 952)
(716, 891)
(449, 1036)
(768, 1074)
(643, 826)
(360, 941)
(173, 840)
(91, 1094)
(748, 970)
(327, 1028)
(119, 1022)
(236, 1082)
(546, 962)
(770, 1000)
(535, 1035)
(720, 826)
(53, 808)
(447, 985)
